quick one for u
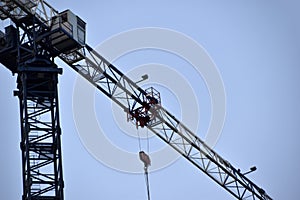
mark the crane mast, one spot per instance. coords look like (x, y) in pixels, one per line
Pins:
(41, 34)
(22, 53)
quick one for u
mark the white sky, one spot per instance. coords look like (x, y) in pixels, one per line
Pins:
(255, 45)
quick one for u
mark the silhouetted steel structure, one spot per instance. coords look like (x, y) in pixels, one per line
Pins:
(40, 34)
(40, 141)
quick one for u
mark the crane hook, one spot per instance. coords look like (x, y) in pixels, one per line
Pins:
(147, 162)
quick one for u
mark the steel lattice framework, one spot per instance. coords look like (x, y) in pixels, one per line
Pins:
(142, 106)
(40, 132)
(129, 96)
(28, 55)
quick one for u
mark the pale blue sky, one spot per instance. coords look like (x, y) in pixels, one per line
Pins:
(255, 45)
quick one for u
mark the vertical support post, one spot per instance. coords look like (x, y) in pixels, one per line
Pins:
(40, 130)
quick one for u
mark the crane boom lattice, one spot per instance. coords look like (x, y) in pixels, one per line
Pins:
(129, 96)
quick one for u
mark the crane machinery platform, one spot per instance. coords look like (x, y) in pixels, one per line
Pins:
(28, 47)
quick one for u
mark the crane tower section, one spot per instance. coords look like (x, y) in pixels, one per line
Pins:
(28, 49)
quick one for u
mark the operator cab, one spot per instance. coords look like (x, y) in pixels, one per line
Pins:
(68, 32)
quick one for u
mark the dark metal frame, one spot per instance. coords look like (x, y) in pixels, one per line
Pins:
(40, 132)
(37, 91)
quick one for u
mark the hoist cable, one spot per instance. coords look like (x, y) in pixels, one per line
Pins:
(148, 143)
(139, 139)
(146, 175)
(147, 183)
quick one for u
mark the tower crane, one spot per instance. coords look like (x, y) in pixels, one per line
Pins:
(28, 47)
